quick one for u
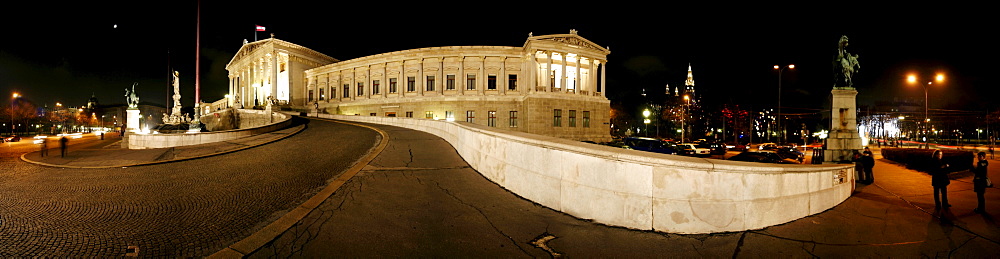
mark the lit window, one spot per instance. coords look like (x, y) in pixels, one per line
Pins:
(322, 95)
(428, 115)
(449, 115)
(492, 119)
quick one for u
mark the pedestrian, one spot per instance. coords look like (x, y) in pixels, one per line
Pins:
(979, 182)
(868, 161)
(859, 168)
(45, 147)
(939, 180)
(62, 145)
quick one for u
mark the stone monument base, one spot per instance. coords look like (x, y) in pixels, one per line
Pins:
(843, 139)
(132, 120)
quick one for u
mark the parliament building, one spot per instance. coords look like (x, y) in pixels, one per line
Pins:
(554, 85)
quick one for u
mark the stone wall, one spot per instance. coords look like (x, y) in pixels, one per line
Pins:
(252, 122)
(639, 190)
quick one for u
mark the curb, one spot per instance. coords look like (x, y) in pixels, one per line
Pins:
(301, 128)
(271, 232)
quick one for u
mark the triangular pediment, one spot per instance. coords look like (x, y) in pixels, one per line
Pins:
(250, 47)
(570, 39)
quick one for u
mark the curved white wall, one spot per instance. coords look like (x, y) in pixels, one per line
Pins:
(247, 117)
(636, 189)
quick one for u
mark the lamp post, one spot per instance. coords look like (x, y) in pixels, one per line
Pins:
(912, 79)
(687, 105)
(12, 112)
(781, 69)
(645, 121)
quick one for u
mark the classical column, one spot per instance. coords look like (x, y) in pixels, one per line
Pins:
(419, 81)
(481, 76)
(368, 82)
(532, 71)
(385, 81)
(563, 76)
(274, 73)
(592, 76)
(549, 81)
(604, 77)
(578, 79)
(461, 77)
(441, 81)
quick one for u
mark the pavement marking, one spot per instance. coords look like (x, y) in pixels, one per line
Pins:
(271, 232)
(541, 241)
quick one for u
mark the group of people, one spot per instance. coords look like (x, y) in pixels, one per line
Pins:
(864, 162)
(62, 146)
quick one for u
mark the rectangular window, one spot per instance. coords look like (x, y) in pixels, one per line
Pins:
(371, 114)
(409, 114)
(347, 87)
(390, 114)
(450, 83)
(428, 115)
(361, 89)
(492, 119)
(430, 83)
(310, 95)
(552, 79)
(411, 84)
(512, 82)
(572, 118)
(333, 92)
(375, 87)
(449, 115)
(470, 82)
(392, 85)
(491, 82)
(557, 118)
(470, 116)
(513, 119)
(586, 119)
(322, 95)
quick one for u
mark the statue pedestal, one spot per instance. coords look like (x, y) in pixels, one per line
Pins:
(132, 120)
(843, 139)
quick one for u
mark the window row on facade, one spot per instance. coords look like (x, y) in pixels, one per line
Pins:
(430, 85)
(557, 118)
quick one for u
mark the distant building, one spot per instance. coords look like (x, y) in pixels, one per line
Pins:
(553, 85)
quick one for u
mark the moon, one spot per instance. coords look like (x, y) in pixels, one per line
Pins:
(116, 26)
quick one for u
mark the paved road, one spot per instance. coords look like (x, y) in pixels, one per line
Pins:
(184, 209)
(418, 198)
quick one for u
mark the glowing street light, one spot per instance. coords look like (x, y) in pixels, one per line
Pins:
(12, 112)
(912, 79)
(780, 69)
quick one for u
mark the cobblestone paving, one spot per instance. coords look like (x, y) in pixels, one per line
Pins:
(185, 209)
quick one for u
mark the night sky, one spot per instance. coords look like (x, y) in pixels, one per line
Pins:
(66, 52)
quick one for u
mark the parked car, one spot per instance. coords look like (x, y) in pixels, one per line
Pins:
(13, 138)
(790, 153)
(713, 148)
(738, 147)
(766, 156)
(650, 145)
(689, 149)
(767, 146)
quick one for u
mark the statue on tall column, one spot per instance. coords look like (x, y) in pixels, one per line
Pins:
(845, 65)
(131, 98)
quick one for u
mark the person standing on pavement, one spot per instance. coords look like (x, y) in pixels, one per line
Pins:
(45, 147)
(859, 168)
(62, 145)
(979, 182)
(939, 180)
(868, 162)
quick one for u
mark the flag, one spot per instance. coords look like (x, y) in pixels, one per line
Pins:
(260, 28)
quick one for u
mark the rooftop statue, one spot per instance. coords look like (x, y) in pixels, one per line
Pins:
(845, 65)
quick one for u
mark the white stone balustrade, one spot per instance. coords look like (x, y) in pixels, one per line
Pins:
(247, 117)
(636, 189)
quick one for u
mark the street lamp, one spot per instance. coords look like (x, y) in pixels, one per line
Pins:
(645, 120)
(781, 69)
(687, 105)
(12, 112)
(912, 79)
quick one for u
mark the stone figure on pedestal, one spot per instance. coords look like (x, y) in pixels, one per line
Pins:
(844, 138)
(845, 65)
(131, 98)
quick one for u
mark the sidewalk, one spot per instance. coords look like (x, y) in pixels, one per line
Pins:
(108, 153)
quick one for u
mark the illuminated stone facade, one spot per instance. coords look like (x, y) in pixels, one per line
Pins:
(553, 85)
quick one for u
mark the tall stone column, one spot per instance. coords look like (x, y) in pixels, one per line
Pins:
(843, 139)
